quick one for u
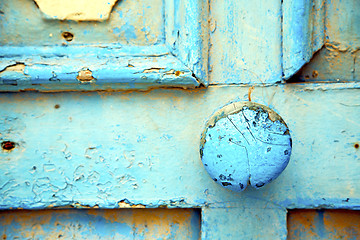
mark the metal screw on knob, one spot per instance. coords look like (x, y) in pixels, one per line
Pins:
(245, 143)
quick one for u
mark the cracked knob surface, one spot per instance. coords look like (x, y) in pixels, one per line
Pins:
(245, 143)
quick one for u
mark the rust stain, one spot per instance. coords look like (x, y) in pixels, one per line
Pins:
(301, 220)
(8, 146)
(212, 24)
(251, 89)
(342, 224)
(160, 220)
(315, 74)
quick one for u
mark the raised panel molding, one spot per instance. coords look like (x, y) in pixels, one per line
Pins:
(179, 61)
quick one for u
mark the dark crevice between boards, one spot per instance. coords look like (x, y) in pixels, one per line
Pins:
(298, 77)
(332, 63)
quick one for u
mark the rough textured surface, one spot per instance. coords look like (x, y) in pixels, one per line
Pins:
(98, 149)
(111, 150)
(130, 23)
(109, 68)
(252, 219)
(323, 224)
(303, 29)
(339, 58)
(245, 143)
(96, 224)
(135, 49)
(245, 42)
(141, 149)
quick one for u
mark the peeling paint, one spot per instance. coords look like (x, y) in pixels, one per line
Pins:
(145, 17)
(18, 67)
(338, 60)
(152, 70)
(85, 75)
(89, 148)
(52, 70)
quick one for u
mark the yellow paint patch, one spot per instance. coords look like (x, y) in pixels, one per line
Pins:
(19, 67)
(77, 10)
(85, 75)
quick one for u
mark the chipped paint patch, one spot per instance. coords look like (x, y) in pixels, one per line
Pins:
(18, 67)
(85, 75)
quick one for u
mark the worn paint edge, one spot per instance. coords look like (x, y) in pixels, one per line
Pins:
(187, 35)
(96, 69)
(114, 204)
(303, 28)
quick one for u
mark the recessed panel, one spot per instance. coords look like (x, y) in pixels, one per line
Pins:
(323, 224)
(101, 224)
(130, 22)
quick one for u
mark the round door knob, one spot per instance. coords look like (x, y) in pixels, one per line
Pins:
(245, 143)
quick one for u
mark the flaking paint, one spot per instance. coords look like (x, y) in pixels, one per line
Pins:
(140, 149)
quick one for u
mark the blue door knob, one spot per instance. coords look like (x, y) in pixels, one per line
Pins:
(245, 143)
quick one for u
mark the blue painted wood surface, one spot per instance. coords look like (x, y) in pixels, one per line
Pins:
(303, 29)
(142, 54)
(141, 149)
(112, 67)
(113, 150)
(192, 31)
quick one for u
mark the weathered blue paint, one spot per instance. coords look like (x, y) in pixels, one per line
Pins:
(245, 42)
(113, 67)
(155, 159)
(245, 143)
(140, 149)
(187, 34)
(339, 59)
(23, 24)
(303, 28)
(180, 60)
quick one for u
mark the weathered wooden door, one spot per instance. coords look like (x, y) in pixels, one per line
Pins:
(103, 105)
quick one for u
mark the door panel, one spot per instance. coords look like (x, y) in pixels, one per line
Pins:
(323, 224)
(118, 124)
(101, 224)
